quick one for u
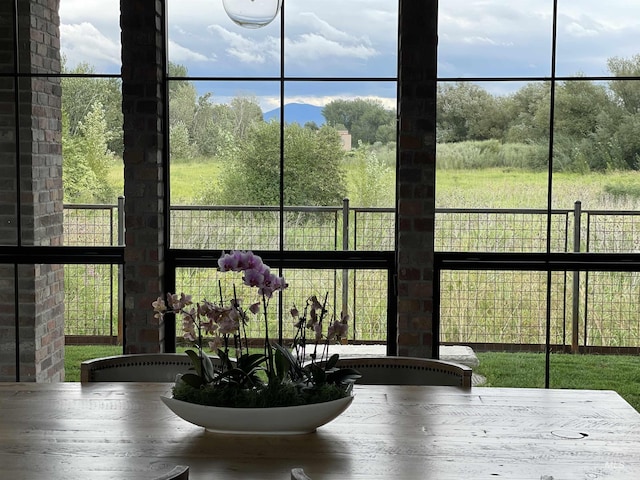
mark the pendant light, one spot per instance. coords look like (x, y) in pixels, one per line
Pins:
(252, 13)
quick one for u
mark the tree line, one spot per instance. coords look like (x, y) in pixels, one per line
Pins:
(596, 124)
(596, 128)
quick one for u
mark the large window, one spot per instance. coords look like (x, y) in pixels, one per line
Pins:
(537, 154)
(283, 139)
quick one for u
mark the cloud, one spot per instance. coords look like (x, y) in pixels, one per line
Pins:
(313, 46)
(179, 54)
(333, 38)
(314, 38)
(96, 11)
(83, 42)
(245, 49)
(309, 39)
(576, 30)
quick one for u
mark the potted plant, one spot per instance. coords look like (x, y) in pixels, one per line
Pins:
(277, 390)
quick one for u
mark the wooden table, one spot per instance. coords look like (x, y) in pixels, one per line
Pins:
(122, 430)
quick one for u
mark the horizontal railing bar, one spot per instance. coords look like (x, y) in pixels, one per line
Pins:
(254, 208)
(570, 261)
(293, 259)
(12, 254)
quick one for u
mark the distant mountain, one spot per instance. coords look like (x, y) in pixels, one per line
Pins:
(297, 113)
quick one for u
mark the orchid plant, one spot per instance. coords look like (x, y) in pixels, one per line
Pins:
(278, 376)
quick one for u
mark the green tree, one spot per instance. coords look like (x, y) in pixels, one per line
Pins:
(371, 178)
(176, 70)
(87, 158)
(627, 93)
(80, 94)
(362, 118)
(180, 145)
(465, 111)
(313, 173)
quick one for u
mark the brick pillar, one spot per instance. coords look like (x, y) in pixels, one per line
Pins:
(142, 45)
(41, 287)
(416, 176)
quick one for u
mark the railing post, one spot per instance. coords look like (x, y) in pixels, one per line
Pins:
(345, 246)
(577, 213)
(120, 271)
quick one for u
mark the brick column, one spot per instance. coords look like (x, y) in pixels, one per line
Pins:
(40, 287)
(416, 176)
(142, 45)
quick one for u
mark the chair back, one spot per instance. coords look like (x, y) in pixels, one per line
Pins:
(179, 472)
(298, 474)
(144, 367)
(408, 371)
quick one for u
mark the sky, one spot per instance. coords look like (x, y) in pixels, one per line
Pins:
(358, 38)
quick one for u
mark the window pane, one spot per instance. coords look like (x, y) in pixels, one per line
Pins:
(7, 35)
(92, 304)
(500, 307)
(494, 39)
(92, 165)
(334, 38)
(339, 172)
(592, 33)
(7, 324)
(209, 44)
(360, 293)
(491, 180)
(225, 165)
(8, 164)
(90, 35)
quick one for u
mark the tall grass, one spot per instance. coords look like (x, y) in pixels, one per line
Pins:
(476, 306)
(474, 155)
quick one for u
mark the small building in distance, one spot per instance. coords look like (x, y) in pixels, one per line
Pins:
(345, 137)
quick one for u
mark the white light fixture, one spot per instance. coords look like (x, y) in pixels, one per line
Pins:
(252, 13)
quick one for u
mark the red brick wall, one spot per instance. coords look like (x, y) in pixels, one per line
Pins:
(142, 42)
(41, 287)
(416, 177)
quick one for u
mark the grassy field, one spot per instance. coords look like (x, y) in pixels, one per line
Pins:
(596, 372)
(503, 188)
(469, 310)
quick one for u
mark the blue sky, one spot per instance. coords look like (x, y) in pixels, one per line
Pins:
(357, 38)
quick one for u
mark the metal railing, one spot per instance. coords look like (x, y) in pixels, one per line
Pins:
(597, 308)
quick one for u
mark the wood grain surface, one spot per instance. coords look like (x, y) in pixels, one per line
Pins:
(122, 431)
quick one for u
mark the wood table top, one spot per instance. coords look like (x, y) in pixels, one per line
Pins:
(122, 430)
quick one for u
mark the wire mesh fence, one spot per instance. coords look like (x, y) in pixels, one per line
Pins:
(500, 230)
(366, 309)
(91, 300)
(255, 228)
(507, 307)
(486, 307)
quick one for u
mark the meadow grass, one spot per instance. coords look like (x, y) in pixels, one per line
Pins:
(475, 306)
(512, 188)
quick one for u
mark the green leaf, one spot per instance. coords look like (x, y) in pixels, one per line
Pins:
(343, 375)
(192, 380)
(318, 375)
(296, 370)
(208, 370)
(224, 359)
(195, 360)
(333, 360)
(249, 362)
(282, 365)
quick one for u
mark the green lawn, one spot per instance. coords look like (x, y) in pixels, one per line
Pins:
(598, 372)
